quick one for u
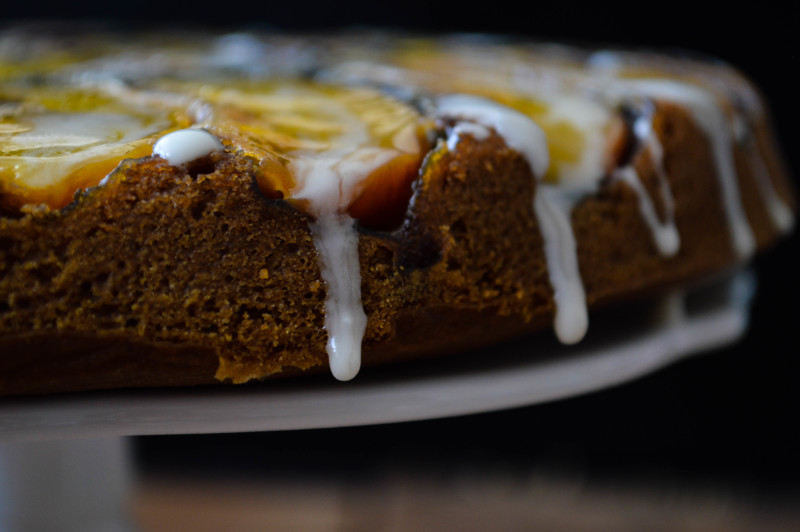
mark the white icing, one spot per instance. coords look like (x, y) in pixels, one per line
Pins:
(477, 131)
(553, 208)
(337, 244)
(781, 215)
(184, 145)
(665, 234)
(709, 117)
(519, 131)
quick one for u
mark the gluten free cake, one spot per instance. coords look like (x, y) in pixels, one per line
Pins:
(192, 210)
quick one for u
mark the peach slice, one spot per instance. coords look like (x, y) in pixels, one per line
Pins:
(55, 142)
(386, 193)
(60, 193)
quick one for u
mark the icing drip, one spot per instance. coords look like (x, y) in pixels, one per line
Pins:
(665, 234)
(780, 213)
(553, 209)
(519, 132)
(328, 183)
(337, 243)
(551, 205)
(709, 117)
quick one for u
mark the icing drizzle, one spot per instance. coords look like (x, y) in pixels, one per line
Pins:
(665, 234)
(551, 204)
(708, 115)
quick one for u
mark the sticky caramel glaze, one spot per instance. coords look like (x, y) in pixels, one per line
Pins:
(170, 276)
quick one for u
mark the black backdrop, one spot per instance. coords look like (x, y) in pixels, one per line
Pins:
(727, 417)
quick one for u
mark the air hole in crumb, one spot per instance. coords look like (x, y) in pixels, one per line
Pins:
(45, 272)
(252, 312)
(210, 329)
(458, 228)
(422, 251)
(132, 323)
(203, 165)
(384, 255)
(453, 265)
(291, 247)
(197, 210)
(86, 289)
(106, 310)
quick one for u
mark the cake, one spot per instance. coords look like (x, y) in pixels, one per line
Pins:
(180, 211)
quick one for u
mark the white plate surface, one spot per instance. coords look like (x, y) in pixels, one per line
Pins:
(620, 347)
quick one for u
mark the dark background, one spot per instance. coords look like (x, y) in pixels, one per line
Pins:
(725, 419)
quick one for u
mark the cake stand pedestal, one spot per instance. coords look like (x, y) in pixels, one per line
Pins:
(80, 485)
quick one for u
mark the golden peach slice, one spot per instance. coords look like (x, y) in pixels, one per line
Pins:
(56, 142)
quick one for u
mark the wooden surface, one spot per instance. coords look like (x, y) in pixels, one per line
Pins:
(472, 502)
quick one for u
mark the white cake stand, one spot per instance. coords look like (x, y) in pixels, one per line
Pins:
(71, 449)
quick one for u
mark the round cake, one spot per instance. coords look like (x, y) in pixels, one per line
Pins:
(198, 210)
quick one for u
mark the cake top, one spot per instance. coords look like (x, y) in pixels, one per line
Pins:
(72, 108)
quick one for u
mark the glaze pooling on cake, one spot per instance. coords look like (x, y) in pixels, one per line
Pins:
(186, 145)
(328, 145)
